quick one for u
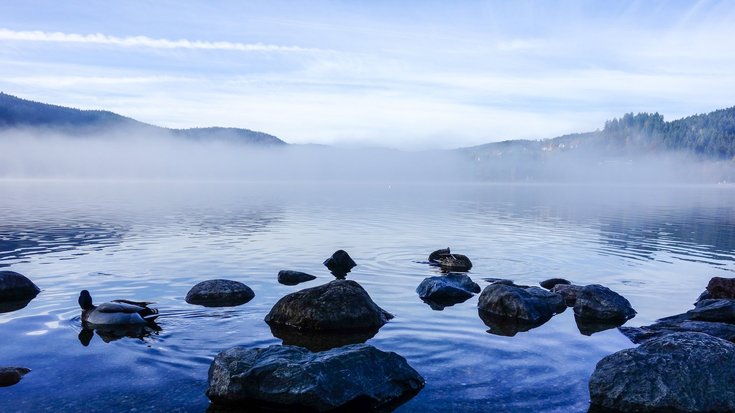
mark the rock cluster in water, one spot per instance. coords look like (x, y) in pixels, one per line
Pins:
(219, 293)
(355, 377)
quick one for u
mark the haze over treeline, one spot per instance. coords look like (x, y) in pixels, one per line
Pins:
(46, 141)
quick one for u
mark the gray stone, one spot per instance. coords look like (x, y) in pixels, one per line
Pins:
(551, 282)
(289, 277)
(682, 372)
(16, 287)
(287, 377)
(341, 305)
(219, 293)
(601, 304)
(12, 375)
(530, 304)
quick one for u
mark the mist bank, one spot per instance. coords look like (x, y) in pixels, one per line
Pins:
(124, 154)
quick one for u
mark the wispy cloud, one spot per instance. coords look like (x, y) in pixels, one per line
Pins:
(144, 41)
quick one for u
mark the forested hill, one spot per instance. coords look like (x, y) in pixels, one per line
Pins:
(16, 113)
(710, 135)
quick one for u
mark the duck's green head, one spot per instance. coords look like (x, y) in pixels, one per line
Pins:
(85, 300)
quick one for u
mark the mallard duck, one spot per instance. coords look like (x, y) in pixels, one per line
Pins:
(115, 312)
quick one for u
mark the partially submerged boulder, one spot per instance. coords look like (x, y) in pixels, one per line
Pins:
(219, 293)
(601, 304)
(16, 287)
(530, 304)
(719, 287)
(551, 282)
(722, 310)
(289, 277)
(678, 324)
(341, 305)
(568, 292)
(287, 377)
(340, 263)
(683, 372)
(449, 287)
(12, 375)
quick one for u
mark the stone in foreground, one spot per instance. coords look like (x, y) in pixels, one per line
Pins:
(682, 372)
(719, 287)
(532, 305)
(601, 304)
(219, 293)
(289, 277)
(287, 377)
(16, 287)
(12, 375)
(341, 305)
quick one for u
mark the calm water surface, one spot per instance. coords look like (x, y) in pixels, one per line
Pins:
(152, 241)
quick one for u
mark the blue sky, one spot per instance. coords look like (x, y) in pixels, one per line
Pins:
(405, 74)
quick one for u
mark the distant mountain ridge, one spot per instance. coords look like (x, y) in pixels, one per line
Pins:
(21, 113)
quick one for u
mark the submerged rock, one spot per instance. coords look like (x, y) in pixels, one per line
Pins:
(683, 372)
(551, 282)
(289, 277)
(353, 377)
(341, 305)
(340, 263)
(719, 287)
(601, 304)
(529, 304)
(678, 324)
(12, 375)
(219, 293)
(16, 287)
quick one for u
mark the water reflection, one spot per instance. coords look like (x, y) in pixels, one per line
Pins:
(321, 341)
(507, 326)
(10, 306)
(439, 304)
(588, 328)
(110, 333)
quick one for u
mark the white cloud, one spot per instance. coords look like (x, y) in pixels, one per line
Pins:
(144, 41)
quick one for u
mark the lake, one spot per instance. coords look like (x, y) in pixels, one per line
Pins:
(657, 246)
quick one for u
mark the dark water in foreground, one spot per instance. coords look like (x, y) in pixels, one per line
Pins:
(656, 246)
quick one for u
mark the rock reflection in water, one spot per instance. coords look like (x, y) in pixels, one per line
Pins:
(110, 333)
(440, 304)
(588, 328)
(323, 340)
(506, 326)
(10, 306)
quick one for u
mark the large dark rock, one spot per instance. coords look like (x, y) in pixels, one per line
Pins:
(340, 263)
(683, 372)
(529, 304)
(12, 375)
(601, 304)
(719, 287)
(341, 305)
(16, 287)
(357, 377)
(551, 282)
(289, 277)
(219, 293)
